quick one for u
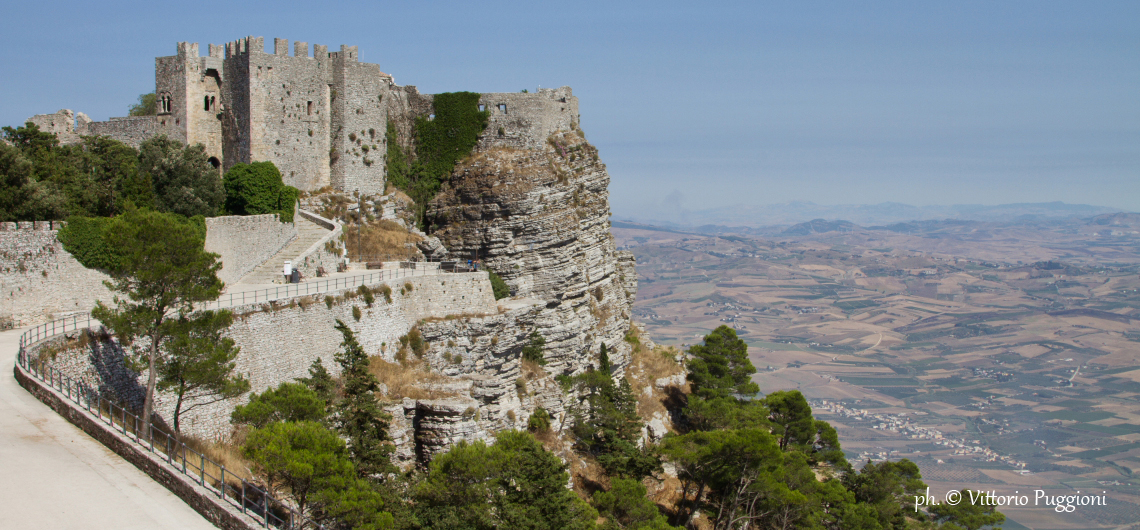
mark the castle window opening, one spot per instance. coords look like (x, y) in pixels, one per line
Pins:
(309, 108)
(215, 162)
(503, 108)
(482, 107)
(206, 103)
(431, 116)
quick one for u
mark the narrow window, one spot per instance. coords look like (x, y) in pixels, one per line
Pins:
(213, 103)
(206, 103)
(309, 108)
(431, 116)
(503, 108)
(482, 107)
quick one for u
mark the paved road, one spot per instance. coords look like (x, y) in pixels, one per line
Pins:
(52, 475)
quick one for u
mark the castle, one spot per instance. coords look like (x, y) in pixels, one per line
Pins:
(320, 118)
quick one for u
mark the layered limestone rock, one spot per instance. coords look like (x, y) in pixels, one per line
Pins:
(540, 219)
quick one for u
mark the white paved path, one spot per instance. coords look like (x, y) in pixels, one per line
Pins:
(52, 475)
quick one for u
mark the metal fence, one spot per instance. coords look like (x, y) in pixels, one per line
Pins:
(229, 487)
(292, 290)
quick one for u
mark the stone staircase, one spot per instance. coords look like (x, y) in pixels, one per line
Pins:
(308, 233)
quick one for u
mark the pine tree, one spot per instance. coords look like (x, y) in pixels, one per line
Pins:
(320, 381)
(358, 414)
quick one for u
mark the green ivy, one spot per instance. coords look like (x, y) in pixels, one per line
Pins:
(440, 144)
(498, 286)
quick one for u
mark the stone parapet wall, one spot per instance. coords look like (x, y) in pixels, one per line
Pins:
(39, 280)
(246, 241)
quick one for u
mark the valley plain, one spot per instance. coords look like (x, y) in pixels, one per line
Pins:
(997, 356)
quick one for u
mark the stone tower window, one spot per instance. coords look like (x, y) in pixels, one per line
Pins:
(206, 103)
(503, 108)
(309, 108)
(209, 103)
(482, 107)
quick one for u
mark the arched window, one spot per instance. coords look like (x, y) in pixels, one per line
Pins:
(206, 103)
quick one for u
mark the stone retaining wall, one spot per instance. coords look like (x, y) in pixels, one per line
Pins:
(39, 280)
(280, 341)
(246, 241)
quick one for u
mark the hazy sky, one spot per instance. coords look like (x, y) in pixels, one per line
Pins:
(717, 104)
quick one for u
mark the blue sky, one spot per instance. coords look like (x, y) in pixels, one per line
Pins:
(713, 105)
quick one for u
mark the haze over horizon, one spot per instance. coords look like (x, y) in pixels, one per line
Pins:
(702, 107)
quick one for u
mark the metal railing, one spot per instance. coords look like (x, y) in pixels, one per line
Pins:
(231, 488)
(291, 290)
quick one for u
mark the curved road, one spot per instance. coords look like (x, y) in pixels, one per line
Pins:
(53, 475)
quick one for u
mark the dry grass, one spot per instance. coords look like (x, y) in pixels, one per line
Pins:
(646, 366)
(408, 380)
(227, 454)
(531, 371)
(380, 240)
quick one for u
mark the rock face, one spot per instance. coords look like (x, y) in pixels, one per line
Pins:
(540, 219)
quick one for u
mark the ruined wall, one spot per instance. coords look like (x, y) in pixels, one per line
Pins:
(244, 242)
(525, 120)
(39, 279)
(65, 124)
(131, 130)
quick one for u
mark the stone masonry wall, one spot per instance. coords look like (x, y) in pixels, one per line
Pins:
(280, 341)
(39, 279)
(244, 242)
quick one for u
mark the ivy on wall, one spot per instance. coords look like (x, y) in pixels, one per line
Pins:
(441, 142)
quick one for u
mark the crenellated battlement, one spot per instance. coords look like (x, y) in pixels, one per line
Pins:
(318, 115)
(38, 226)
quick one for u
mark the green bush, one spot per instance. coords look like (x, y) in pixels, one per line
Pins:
(257, 188)
(539, 421)
(498, 286)
(183, 180)
(84, 238)
(533, 350)
(387, 292)
(367, 294)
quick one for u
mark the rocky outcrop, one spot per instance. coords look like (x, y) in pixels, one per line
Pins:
(540, 219)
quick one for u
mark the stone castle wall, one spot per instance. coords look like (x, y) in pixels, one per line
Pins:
(244, 242)
(319, 118)
(39, 279)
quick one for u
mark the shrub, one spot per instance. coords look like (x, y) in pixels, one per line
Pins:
(408, 286)
(498, 286)
(533, 351)
(84, 238)
(415, 341)
(257, 188)
(520, 387)
(539, 421)
(366, 293)
(356, 314)
(329, 301)
(387, 292)
(184, 181)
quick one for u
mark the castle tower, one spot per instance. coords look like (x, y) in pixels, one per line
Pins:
(188, 92)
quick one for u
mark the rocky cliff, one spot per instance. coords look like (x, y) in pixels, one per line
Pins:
(540, 219)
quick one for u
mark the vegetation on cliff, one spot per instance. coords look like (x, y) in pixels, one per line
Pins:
(441, 141)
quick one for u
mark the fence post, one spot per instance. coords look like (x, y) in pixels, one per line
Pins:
(265, 506)
(203, 470)
(222, 489)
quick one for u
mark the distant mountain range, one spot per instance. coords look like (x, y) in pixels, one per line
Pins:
(794, 213)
